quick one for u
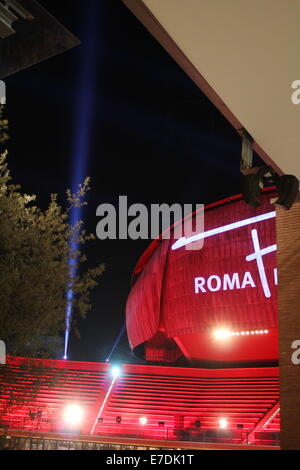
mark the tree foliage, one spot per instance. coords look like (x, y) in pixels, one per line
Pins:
(35, 254)
(20, 386)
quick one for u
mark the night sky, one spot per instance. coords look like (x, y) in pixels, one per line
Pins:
(153, 136)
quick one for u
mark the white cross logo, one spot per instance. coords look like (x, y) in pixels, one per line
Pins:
(258, 256)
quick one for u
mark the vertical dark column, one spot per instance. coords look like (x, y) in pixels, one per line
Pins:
(288, 240)
(178, 426)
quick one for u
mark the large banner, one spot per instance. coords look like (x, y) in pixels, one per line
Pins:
(232, 280)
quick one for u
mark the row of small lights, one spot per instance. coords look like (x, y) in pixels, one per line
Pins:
(223, 333)
(272, 417)
(116, 372)
(73, 414)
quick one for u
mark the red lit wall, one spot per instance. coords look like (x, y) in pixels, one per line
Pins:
(178, 403)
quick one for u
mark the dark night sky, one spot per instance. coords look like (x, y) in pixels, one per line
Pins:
(154, 137)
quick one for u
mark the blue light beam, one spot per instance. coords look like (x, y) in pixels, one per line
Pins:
(118, 339)
(83, 123)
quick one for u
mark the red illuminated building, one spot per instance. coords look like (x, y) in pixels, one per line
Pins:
(217, 304)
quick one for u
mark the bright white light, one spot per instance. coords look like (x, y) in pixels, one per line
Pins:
(116, 371)
(143, 420)
(73, 414)
(222, 333)
(223, 423)
(103, 403)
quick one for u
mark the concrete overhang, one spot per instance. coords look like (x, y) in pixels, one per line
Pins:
(244, 55)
